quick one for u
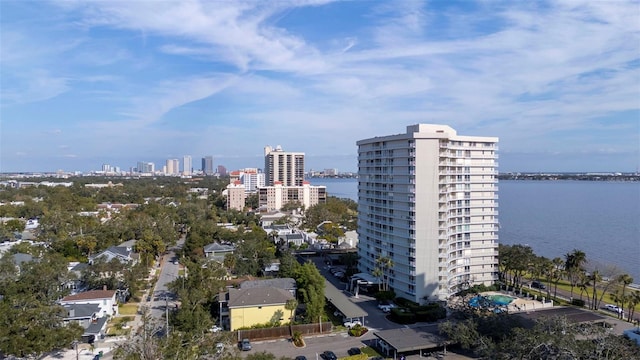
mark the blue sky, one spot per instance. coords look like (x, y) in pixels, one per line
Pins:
(90, 82)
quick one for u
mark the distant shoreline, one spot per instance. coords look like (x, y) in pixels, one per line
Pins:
(535, 176)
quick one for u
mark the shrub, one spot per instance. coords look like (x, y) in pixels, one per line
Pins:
(297, 339)
(358, 330)
(403, 316)
(385, 295)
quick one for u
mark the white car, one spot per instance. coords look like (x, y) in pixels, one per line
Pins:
(382, 306)
(385, 308)
(350, 324)
(613, 308)
(215, 329)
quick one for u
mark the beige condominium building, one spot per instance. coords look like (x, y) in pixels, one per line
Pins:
(276, 196)
(428, 201)
(285, 167)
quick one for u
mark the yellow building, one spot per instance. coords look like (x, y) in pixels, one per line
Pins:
(249, 307)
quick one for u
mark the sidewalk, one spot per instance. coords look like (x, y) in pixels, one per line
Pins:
(84, 353)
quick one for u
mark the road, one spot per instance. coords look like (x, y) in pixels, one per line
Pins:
(161, 297)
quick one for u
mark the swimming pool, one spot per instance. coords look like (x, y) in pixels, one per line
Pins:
(490, 300)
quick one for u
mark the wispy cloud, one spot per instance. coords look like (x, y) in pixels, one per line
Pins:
(291, 71)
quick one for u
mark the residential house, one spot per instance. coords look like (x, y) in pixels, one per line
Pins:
(105, 299)
(269, 218)
(123, 252)
(295, 238)
(217, 251)
(287, 284)
(244, 308)
(277, 230)
(87, 316)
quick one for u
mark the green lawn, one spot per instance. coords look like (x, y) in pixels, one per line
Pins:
(370, 352)
(564, 285)
(128, 309)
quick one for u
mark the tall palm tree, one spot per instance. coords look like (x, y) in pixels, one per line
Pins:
(385, 263)
(574, 265)
(633, 300)
(558, 271)
(377, 272)
(625, 280)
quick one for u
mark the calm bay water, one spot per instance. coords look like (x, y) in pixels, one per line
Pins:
(554, 217)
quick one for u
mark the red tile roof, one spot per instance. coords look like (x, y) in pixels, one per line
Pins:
(92, 294)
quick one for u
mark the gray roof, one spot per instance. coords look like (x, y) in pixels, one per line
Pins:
(96, 327)
(20, 258)
(81, 310)
(293, 236)
(342, 302)
(80, 267)
(217, 247)
(280, 283)
(411, 339)
(258, 296)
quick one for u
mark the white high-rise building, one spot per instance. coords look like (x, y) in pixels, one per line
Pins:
(187, 165)
(252, 180)
(285, 167)
(428, 201)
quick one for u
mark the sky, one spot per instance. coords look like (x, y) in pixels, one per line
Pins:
(86, 83)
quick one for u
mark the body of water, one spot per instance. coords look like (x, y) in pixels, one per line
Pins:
(554, 217)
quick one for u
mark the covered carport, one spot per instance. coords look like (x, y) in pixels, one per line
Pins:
(360, 279)
(405, 340)
(343, 304)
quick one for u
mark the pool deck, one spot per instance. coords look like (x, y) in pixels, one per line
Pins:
(521, 304)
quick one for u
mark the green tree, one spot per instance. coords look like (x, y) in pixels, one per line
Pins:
(574, 266)
(311, 286)
(625, 280)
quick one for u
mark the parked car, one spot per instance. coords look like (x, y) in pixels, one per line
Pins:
(215, 329)
(386, 306)
(329, 355)
(245, 345)
(538, 285)
(301, 357)
(354, 351)
(613, 308)
(350, 324)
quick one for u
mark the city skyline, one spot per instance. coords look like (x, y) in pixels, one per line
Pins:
(89, 83)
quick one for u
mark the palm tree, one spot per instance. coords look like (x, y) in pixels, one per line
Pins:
(625, 280)
(574, 265)
(558, 271)
(377, 272)
(633, 300)
(385, 263)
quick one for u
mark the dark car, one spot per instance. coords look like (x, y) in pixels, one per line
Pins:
(301, 357)
(538, 285)
(354, 351)
(329, 355)
(245, 345)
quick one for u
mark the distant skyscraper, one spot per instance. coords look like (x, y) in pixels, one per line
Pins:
(106, 168)
(207, 165)
(285, 167)
(222, 171)
(427, 201)
(173, 166)
(145, 167)
(187, 165)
